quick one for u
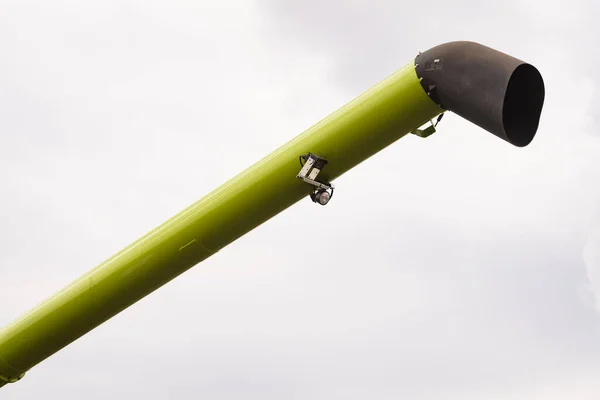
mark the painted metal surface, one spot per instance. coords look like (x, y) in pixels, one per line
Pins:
(347, 137)
(497, 92)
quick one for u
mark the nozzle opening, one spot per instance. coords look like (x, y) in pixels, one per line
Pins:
(523, 105)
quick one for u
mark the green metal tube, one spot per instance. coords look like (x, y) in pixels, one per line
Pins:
(366, 125)
(499, 93)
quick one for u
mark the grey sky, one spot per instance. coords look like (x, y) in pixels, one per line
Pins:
(474, 275)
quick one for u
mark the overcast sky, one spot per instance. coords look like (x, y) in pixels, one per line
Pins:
(471, 270)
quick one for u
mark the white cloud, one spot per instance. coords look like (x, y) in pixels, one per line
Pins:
(461, 281)
(591, 255)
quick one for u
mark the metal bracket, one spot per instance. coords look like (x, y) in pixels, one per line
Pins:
(311, 167)
(430, 130)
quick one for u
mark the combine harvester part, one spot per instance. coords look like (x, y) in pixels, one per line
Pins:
(495, 91)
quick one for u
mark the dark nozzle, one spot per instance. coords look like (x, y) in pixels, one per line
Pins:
(495, 91)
